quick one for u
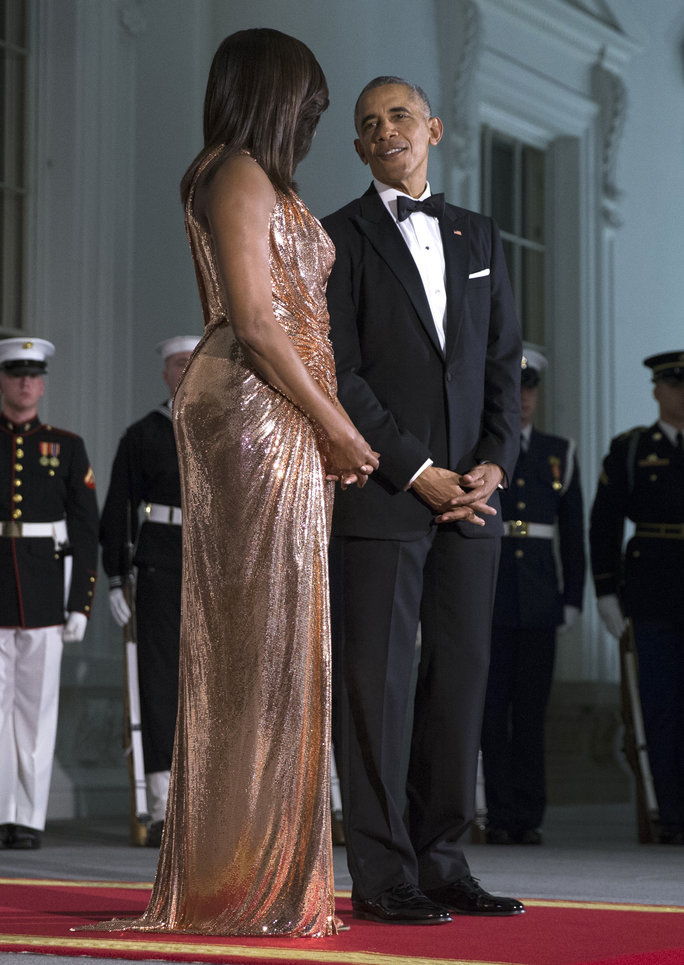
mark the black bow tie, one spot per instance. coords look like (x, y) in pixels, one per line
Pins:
(434, 205)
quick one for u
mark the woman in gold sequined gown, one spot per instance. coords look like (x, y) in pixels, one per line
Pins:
(246, 848)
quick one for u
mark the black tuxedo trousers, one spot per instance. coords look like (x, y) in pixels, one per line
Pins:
(407, 721)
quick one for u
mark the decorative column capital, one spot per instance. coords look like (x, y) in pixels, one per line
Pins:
(610, 93)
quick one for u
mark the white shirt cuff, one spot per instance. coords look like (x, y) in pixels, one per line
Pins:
(428, 462)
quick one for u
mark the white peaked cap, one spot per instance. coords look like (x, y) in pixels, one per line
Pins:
(25, 349)
(532, 359)
(179, 343)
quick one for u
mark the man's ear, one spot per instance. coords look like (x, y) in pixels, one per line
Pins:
(436, 129)
(360, 151)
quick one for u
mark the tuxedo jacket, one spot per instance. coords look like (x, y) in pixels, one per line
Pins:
(410, 399)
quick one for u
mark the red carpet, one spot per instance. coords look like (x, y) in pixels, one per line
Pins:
(37, 915)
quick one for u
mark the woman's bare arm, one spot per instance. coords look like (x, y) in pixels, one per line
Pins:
(237, 206)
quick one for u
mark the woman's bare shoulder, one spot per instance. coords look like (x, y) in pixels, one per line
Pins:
(238, 182)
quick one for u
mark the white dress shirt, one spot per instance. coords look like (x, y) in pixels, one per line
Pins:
(421, 233)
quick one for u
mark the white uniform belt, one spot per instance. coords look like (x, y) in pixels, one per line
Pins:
(518, 527)
(56, 531)
(156, 513)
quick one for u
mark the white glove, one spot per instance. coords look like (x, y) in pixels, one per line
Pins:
(75, 627)
(120, 610)
(610, 612)
(570, 614)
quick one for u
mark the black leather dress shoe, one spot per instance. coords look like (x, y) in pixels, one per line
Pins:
(154, 834)
(466, 897)
(6, 835)
(401, 905)
(23, 838)
(530, 836)
(671, 837)
(498, 836)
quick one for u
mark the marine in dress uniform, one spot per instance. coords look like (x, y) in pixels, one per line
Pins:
(533, 600)
(145, 472)
(643, 481)
(48, 531)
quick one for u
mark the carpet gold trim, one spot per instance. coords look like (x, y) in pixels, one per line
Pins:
(76, 883)
(529, 902)
(602, 906)
(315, 955)
(66, 883)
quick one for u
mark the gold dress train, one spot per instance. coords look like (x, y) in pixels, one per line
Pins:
(247, 848)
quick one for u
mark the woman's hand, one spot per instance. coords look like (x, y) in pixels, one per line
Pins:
(349, 458)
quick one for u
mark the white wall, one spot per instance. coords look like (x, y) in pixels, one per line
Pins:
(172, 63)
(649, 246)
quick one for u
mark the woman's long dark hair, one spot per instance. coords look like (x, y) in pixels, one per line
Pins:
(265, 94)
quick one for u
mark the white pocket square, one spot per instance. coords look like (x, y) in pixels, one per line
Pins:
(479, 274)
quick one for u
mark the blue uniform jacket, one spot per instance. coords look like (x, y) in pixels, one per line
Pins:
(545, 488)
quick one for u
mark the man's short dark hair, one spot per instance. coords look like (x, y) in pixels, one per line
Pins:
(388, 79)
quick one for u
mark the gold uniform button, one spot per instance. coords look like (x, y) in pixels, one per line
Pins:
(18, 467)
(521, 505)
(19, 453)
(56, 556)
(519, 554)
(520, 482)
(86, 608)
(17, 482)
(51, 472)
(653, 477)
(16, 514)
(92, 579)
(17, 498)
(90, 592)
(636, 554)
(20, 440)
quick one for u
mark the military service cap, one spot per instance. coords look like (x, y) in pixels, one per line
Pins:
(179, 343)
(25, 356)
(532, 365)
(666, 367)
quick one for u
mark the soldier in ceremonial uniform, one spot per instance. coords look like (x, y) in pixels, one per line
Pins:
(533, 600)
(643, 480)
(145, 471)
(48, 567)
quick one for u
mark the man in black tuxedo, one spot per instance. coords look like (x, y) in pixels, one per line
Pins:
(428, 351)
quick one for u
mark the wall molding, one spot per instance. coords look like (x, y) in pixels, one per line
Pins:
(576, 28)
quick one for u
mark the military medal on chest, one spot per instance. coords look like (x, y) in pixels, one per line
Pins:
(555, 466)
(49, 453)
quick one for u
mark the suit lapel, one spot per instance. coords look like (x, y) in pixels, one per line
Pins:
(377, 225)
(456, 243)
